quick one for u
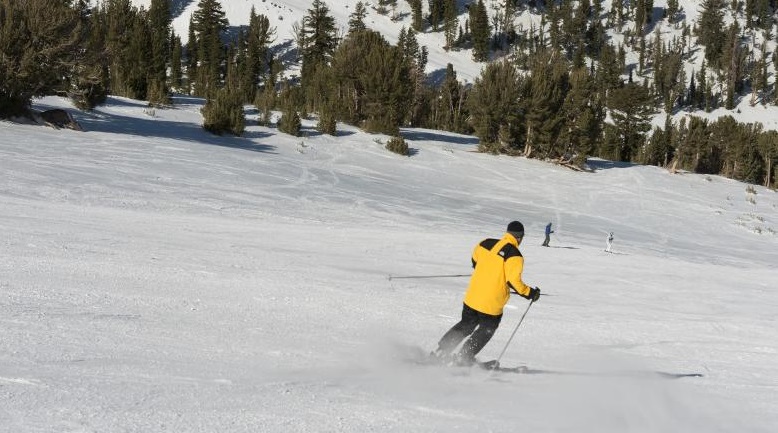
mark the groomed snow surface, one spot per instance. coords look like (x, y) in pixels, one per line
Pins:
(154, 277)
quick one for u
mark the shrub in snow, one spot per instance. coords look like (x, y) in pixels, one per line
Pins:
(397, 145)
(290, 123)
(224, 113)
(327, 123)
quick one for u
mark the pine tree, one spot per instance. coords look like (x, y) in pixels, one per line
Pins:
(265, 101)
(416, 58)
(319, 42)
(608, 75)
(191, 58)
(436, 10)
(450, 23)
(37, 51)
(327, 122)
(630, 108)
(208, 23)
(176, 63)
(480, 30)
(254, 54)
(159, 23)
(374, 83)
(224, 112)
(658, 149)
(768, 150)
(759, 76)
(672, 11)
(493, 104)
(356, 20)
(290, 122)
(732, 62)
(710, 30)
(548, 86)
(320, 34)
(128, 44)
(417, 23)
(89, 79)
(451, 102)
(583, 116)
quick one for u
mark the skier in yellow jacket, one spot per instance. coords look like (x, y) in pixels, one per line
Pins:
(498, 265)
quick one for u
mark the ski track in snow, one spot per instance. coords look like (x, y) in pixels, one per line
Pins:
(155, 283)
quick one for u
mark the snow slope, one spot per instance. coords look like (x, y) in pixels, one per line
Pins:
(154, 277)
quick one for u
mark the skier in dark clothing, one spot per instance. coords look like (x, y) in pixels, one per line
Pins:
(498, 265)
(548, 235)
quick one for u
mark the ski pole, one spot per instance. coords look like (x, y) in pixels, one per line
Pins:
(514, 332)
(427, 276)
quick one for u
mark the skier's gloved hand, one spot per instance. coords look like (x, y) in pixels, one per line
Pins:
(534, 294)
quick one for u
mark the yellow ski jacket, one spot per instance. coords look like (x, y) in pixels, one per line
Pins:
(498, 266)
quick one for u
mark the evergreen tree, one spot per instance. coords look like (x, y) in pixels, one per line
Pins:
(159, 25)
(631, 109)
(416, 59)
(548, 86)
(89, 79)
(450, 108)
(290, 122)
(224, 113)
(397, 145)
(37, 50)
(493, 104)
(208, 23)
(710, 30)
(643, 14)
(254, 54)
(176, 63)
(319, 42)
(374, 83)
(436, 10)
(609, 69)
(191, 57)
(450, 23)
(417, 23)
(129, 47)
(327, 122)
(583, 116)
(768, 150)
(265, 101)
(759, 76)
(733, 59)
(672, 11)
(480, 30)
(356, 20)
(658, 149)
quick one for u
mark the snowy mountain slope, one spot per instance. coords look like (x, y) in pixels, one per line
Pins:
(284, 14)
(154, 277)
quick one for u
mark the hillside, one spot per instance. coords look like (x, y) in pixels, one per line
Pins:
(154, 277)
(284, 14)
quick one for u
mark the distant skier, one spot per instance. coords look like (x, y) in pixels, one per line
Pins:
(498, 265)
(609, 243)
(548, 235)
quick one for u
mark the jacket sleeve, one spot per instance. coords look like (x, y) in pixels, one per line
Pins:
(474, 257)
(514, 266)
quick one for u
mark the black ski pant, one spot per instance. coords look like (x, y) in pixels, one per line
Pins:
(545, 242)
(479, 326)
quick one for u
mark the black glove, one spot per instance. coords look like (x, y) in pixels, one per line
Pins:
(534, 294)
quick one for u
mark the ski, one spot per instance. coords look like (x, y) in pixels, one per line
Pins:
(419, 356)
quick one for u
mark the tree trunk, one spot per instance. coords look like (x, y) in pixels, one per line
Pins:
(528, 144)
